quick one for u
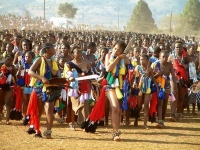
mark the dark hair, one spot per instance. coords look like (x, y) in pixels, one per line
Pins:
(31, 53)
(178, 42)
(190, 46)
(27, 41)
(163, 52)
(66, 45)
(157, 49)
(122, 44)
(10, 55)
(146, 39)
(75, 47)
(91, 44)
(11, 45)
(104, 48)
(60, 57)
(145, 56)
(46, 46)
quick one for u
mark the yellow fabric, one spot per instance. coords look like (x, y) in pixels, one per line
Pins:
(13, 79)
(134, 63)
(57, 103)
(148, 91)
(4, 54)
(161, 80)
(43, 70)
(32, 82)
(122, 70)
(54, 65)
(42, 67)
(118, 93)
(66, 68)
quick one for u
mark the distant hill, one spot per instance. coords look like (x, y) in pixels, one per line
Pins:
(92, 12)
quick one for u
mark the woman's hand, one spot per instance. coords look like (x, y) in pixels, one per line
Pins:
(71, 79)
(45, 80)
(21, 68)
(122, 56)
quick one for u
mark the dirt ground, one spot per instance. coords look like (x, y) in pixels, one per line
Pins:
(176, 136)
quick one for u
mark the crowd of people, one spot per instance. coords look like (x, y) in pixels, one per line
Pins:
(54, 72)
(18, 22)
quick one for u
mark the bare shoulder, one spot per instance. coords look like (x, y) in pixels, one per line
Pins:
(37, 61)
(171, 58)
(17, 53)
(127, 60)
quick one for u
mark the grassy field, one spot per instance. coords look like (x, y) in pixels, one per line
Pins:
(179, 135)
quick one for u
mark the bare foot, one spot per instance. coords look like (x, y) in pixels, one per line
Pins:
(136, 123)
(194, 113)
(146, 127)
(8, 123)
(172, 119)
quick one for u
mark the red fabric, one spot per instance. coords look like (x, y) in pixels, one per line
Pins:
(133, 101)
(18, 104)
(179, 69)
(84, 86)
(130, 75)
(27, 78)
(104, 82)
(4, 69)
(32, 110)
(184, 53)
(13, 42)
(67, 84)
(98, 111)
(3, 80)
(14, 91)
(153, 104)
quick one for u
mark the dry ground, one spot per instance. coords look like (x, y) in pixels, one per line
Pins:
(181, 135)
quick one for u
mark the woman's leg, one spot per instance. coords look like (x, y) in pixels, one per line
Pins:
(25, 103)
(128, 115)
(107, 110)
(115, 109)
(181, 96)
(49, 106)
(139, 107)
(146, 109)
(165, 102)
(7, 99)
(40, 107)
(83, 112)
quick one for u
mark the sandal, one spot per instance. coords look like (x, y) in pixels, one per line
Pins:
(172, 118)
(72, 126)
(47, 134)
(8, 123)
(160, 124)
(31, 131)
(116, 136)
(61, 120)
(179, 116)
(194, 113)
(38, 134)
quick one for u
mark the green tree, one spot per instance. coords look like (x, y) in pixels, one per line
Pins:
(67, 10)
(141, 19)
(191, 14)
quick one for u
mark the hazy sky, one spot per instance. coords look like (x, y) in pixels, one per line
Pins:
(103, 12)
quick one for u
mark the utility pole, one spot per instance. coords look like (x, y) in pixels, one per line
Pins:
(170, 24)
(44, 9)
(118, 16)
